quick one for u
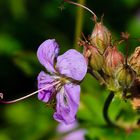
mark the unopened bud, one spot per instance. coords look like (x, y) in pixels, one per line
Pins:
(113, 58)
(96, 59)
(125, 76)
(112, 84)
(134, 60)
(100, 37)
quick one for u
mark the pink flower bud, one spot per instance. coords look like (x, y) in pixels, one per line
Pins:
(92, 55)
(134, 60)
(113, 58)
(100, 37)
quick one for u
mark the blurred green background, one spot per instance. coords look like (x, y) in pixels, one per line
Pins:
(24, 25)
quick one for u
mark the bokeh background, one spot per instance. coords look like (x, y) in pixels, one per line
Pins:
(24, 25)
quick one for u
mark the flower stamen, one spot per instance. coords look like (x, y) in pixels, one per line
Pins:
(29, 95)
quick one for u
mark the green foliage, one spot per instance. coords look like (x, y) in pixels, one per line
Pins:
(27, 62)
(9, 45)
(24, 25)
(17, 8)
(130, 3)
(134, 26)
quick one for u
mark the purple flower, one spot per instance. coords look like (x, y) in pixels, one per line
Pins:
(77, 134)
(66, 71)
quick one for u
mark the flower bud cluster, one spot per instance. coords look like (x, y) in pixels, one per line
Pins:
(108, 64)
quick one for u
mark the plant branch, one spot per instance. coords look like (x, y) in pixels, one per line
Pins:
(106, 108)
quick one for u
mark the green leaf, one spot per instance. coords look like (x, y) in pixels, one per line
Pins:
(27, 62)
(9, 45)
(4, 136)
(18, 8)
(134, 27)
(130, 3)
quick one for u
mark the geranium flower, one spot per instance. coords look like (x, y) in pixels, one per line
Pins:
(66, 71)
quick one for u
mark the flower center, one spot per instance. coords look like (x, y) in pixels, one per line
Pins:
(64, 80)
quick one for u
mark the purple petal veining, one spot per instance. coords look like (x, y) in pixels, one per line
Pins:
(67, 103)
(46, 54)
(72, 64)
(44, 80)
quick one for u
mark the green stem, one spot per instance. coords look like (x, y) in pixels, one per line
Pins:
(79, 23)
(106, 107)
(97, 76)
(107, 118)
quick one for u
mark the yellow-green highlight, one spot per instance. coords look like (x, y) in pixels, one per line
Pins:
(79, 23)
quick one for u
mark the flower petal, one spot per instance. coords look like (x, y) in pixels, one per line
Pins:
(72, 132)
(72, 64)
(46, 54)
(76, 135)
(67, 103)
(44, 80)
(63, 128)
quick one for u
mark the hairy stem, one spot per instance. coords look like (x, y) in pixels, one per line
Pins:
(97, 76)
